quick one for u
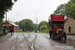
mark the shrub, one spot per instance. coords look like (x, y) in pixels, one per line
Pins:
(43, 27)
(45, 31)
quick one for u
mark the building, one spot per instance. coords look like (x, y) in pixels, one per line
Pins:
(69, 26)
(11, 25)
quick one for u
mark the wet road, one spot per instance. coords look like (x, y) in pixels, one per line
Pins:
(42, 42)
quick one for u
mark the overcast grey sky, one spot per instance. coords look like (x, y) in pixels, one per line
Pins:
(32, 9)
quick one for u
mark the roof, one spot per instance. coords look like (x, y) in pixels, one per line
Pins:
(65, 17)
(13, 24)
(10, 24)
(57, 17)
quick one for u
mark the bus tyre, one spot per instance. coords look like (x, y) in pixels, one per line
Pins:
(50, 33)
(50, 36)
(65, 36)
(53, 37)
(57, 38)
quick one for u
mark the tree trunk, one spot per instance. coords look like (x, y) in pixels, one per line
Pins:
(1, 32)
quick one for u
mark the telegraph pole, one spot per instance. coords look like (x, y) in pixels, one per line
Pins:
(6, 20)
(36, 24)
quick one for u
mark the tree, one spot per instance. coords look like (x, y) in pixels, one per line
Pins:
(43, 27)
(67, 9)
(5, 5)
(60, 9)
(35, 27)
(42, 23)
(16, 23)
(26, 24)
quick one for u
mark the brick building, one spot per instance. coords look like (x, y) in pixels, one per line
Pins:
(69, 26)
(11, 25)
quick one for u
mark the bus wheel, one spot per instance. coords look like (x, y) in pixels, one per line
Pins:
(53, 37)
(57, 38)
(64, 37)
(50, 35)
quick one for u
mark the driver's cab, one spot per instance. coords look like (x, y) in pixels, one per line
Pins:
(56, 25)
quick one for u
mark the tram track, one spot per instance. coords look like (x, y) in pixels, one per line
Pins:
(13, 48)
(30, 44)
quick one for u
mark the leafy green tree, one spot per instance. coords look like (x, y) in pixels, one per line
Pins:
(67, 9)
(43, 27)
(26, 25)
(5, 5)
(16, 23)
(43, 23)
(60, 9)
(35, 27)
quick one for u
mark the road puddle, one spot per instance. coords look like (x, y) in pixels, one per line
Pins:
(71, 42)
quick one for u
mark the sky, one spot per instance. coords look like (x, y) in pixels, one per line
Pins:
(36, 10)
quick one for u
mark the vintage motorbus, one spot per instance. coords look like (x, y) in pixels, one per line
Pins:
(56, 27)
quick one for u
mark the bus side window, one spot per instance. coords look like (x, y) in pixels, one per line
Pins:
(52, 26)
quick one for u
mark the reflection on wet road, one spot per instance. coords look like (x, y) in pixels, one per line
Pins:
(71, 42)
(68, 45)
(42, 42)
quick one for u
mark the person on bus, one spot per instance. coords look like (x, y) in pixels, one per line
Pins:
(55, 26)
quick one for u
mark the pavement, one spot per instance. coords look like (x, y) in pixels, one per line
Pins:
(71, 37)
(4, 37)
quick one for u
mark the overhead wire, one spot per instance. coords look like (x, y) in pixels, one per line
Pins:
(29, 7)
(38, 10)
(42, 6)
(39, 6)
